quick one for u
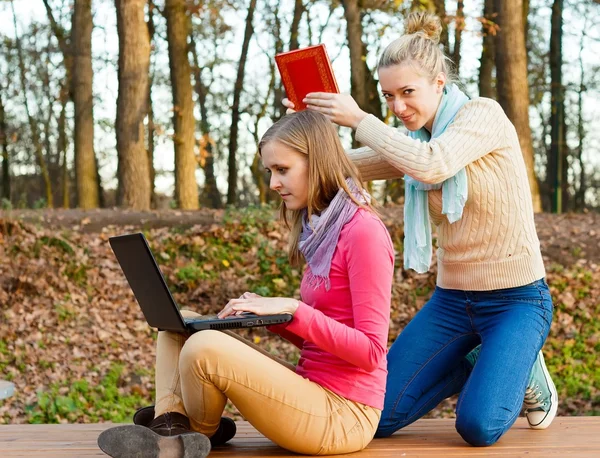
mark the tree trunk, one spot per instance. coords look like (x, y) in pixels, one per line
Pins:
(211, 191)
(486, 67)
(4, 146)
(459, 27)
(101, 200)
(65, 45)
(526, 26)
(47, 146)
(440, 10)
(35, 139)
(580, 190)
(264, 193)
(235, 109)
(363, 84)
(295, 26)
(86, 174)
(566, 156)
(555, 173)
(61, 145)
(65, 95)
(259, 179)
(47, 93)
(150, 146)
(178, 26)
(278, 92)
(151, 127)
(134, 65)
(513, 91)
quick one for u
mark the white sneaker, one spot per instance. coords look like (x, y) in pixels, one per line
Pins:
(541, 398)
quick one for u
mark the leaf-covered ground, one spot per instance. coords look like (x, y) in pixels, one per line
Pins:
(74, 342)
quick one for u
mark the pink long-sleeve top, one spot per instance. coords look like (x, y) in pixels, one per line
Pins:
(342, 333)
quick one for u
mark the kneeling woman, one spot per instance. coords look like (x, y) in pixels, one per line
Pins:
(331, 402)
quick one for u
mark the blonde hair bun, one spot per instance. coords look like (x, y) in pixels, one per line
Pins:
(426, 24)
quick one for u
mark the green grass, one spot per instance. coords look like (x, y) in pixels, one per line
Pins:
(52, 242)
(106, 401)
(574, 362)
(6, 357)
(65, 312)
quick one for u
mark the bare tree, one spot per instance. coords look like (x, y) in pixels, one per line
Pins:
(4, 146)
(63, 41)
(43, 71)
(556, 169)
(178, 28)
(259, 178)
(86, 173)
(513, 91)
(62, 144)
(440, 10)
(235, 108)
(295, 26)
(211, 191)
(364, 85)
(151, 127)
(581, 133)
(278, 92)
(486, 63)
(134, 63)
(35, 139)
(459, 22)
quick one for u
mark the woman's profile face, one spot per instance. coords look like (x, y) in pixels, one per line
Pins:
(412, 97)
(289, 173)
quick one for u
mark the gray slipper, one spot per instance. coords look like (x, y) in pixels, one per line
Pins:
(133, 441)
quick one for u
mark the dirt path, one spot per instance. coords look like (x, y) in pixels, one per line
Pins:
(565, 239)
(95, 220)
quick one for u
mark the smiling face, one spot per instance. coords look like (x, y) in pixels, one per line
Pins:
(289, 173)
(412, 97)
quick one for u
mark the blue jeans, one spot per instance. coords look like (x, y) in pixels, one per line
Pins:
(426, 363)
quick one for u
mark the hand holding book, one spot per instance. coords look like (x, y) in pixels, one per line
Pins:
(341, 109)
(310, 83)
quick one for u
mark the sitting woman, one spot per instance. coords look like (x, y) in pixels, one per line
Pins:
(331, 402)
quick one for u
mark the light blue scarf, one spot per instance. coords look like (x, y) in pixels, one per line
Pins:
(417, 227)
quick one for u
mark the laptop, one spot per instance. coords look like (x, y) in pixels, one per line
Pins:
(152, 293)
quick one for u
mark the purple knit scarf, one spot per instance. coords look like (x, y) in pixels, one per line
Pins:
(319, 237)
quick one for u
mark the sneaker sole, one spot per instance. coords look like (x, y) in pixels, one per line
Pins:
(549, 417)
(133, 441)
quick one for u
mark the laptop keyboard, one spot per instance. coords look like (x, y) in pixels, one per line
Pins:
(215, 317)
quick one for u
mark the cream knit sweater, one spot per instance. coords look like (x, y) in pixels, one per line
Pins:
(494, 245)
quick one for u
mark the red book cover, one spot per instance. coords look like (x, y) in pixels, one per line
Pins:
(306, 70)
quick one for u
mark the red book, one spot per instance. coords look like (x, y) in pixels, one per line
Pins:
(305, 70)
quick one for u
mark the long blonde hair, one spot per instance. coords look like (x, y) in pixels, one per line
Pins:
(419, 47)
(311, 133)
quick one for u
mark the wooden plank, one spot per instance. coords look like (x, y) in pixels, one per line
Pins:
(568, 437)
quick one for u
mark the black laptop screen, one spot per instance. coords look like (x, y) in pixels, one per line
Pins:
(146, 281)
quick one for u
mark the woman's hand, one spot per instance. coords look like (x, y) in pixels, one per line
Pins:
(289, 105)
(253, 303)
(342, 109)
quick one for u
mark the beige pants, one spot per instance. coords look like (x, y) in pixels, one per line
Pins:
(195, 376)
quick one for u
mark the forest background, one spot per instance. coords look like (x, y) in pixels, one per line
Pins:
(145, 115)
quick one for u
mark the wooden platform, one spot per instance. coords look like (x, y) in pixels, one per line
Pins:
(569, 436)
